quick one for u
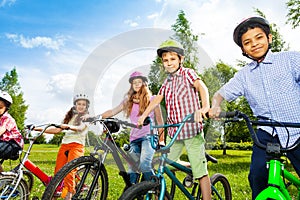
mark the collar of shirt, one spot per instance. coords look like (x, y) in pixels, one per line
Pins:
(178, 73)
(268, 60)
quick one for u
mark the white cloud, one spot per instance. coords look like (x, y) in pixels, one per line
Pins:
(131, 23)
(7, 2)
(217, 20)
(61, 85)
(153, 16)
(30, 43)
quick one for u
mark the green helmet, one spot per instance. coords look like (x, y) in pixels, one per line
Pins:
(170, 46)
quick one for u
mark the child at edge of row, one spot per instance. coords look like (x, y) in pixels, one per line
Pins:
(134, 104)
(181, 92)
(11, 140)
(73, 142)
(271, 85)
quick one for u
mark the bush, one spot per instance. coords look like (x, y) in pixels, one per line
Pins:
(230, 146)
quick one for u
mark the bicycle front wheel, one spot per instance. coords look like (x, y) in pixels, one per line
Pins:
(91, 180)
(220, 187)
(7, 185)
(144, 190)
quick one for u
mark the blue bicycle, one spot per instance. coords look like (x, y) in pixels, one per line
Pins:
(157, 187)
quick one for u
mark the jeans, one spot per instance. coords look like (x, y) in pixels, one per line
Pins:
(258, 176)
(143, 147)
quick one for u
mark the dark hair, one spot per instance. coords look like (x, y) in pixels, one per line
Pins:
(69, 116)
(250, 23)
(244, 29)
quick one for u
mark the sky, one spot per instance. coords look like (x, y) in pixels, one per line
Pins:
(62, 47)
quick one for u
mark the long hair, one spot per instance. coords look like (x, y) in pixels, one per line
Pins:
(70, 114)
(143, 96)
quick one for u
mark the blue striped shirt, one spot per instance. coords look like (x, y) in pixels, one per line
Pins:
(272, 89)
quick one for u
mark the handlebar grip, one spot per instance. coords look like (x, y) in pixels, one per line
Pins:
(228, 114)
(90, 119)
(147, 121)
(191, 119)
(30, 127)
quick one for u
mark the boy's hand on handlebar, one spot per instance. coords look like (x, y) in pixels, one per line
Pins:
(214, 112)
(200, 114)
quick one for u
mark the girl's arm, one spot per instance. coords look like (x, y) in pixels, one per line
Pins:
(50, 130)
(112, 112)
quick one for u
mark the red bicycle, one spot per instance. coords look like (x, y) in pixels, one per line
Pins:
(18, 183)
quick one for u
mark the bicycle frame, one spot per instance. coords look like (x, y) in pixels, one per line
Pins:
(277, 188)
(163, 169)
(18, 171)
(108, 145)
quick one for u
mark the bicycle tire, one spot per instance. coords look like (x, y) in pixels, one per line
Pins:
(29, 178)
(221, 184)
(81, 164)
(21, 192)
(139, 191)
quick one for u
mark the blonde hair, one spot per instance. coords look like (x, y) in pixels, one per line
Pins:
(144, 96)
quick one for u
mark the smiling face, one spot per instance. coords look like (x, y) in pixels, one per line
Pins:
(255, 43)
(81, 106)
(171, 61)
(137, 84)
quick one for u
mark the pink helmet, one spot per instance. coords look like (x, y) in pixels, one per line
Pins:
(136, 75)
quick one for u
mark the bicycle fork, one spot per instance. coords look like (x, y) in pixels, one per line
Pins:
(276, 187)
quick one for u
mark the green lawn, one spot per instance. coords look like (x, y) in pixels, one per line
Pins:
(234, 165)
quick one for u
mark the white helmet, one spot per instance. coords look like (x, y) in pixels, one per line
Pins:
(4, 96)
(81, 97)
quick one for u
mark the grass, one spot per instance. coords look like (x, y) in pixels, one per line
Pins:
(234, 165)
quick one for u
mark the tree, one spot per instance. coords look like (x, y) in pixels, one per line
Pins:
(183, 34)
(18, 109)
(56, 139)
(278, 44)
(293, 12)
(215, 77)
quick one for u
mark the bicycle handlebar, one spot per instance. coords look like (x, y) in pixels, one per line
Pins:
(31, 127)
(118, 121)
(239, 115)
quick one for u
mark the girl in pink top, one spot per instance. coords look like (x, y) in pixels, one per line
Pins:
(137, 99)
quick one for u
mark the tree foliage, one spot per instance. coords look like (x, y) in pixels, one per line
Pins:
(18, 108)
(184, 35)
(56, 139)
(278, 44)
(293, 16)
(215, 78)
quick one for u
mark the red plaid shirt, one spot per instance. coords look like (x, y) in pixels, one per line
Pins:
(12, 132)
(181, 99)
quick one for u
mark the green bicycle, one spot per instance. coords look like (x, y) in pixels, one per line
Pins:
(279, 179)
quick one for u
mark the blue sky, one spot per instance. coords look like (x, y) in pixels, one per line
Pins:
(50, 42)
